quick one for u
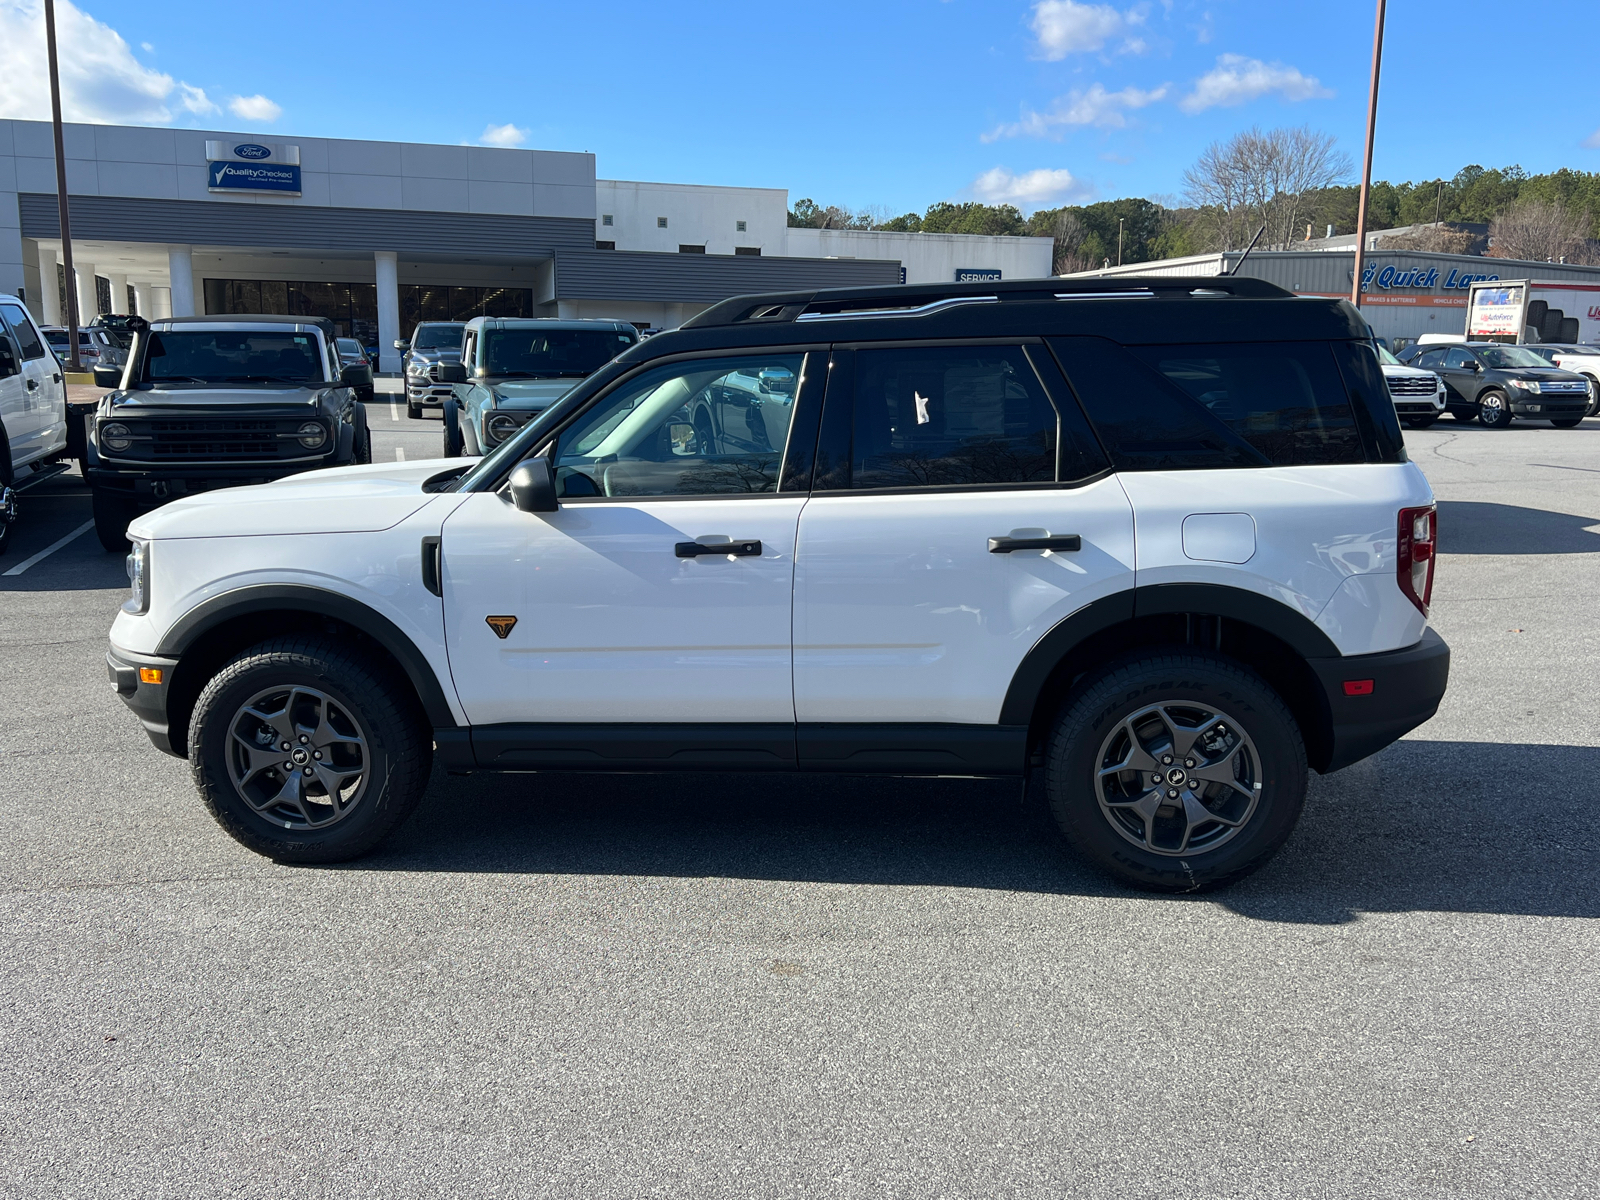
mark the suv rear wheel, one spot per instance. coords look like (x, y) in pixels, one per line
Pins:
(1178, 772)
(112, 512)
(1421, 422)
(305, 754)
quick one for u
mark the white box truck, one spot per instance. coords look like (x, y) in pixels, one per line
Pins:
(1523, 310)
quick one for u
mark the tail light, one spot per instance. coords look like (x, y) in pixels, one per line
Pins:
(1417, 552)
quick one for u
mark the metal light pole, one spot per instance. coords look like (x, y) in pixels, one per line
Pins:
(74, 363)
(1120, 221)
(1366, 166)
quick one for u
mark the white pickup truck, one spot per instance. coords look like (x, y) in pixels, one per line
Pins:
(33, 411)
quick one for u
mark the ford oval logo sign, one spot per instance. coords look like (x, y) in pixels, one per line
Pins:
(252, 151)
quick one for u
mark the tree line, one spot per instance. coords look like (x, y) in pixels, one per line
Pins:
(1289, 182)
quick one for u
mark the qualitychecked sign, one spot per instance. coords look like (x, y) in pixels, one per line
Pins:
(254, 177)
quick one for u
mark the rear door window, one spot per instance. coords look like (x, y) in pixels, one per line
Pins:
(950, 416)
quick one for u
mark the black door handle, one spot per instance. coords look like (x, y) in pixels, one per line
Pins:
(737, 549)
(1059, 541)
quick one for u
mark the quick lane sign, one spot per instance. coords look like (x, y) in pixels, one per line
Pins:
(281, 178)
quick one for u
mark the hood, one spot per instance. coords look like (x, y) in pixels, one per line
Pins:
(1404, 372)
(362, 499)
(432, 356)
(526, 394)
(286, 395)
(1551, 374)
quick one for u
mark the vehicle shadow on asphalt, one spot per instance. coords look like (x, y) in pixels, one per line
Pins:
(1440, 826)
(1480, 527)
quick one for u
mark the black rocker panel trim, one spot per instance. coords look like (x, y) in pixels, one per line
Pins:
(920, 749)
(1207, 599)
(877, 749)
(279, 597)
(518, 746)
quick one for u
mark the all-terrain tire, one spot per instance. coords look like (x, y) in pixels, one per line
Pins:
(1183, 685)
(452, 429)
(363, 436)
(413, 410)
(1566, 422)
(372, 699)
(1421, 422)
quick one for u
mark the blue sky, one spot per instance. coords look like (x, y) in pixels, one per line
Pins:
(893, 104)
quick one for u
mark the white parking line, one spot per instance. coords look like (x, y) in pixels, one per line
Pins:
(50, 549)
(394, 410)
(399, 456)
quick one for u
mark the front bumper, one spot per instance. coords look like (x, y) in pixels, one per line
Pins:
(158, 484)
(1549, 406)
(1395, 692)
(1419, 406)
(147, 700)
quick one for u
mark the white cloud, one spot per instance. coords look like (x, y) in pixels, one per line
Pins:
(1592, 142)
(1032, 189)
(255, 108)
(506, 135)
(1237, 79)
(147, 47)
(196, 101)
(1064, 27)
(101, 81)
(1077, 109)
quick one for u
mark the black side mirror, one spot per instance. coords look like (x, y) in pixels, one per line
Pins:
(108, 377)
(452, 373)
(356, 375)
(533, 486)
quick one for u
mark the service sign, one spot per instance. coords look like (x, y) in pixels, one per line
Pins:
(977, 275)
(1495, 311)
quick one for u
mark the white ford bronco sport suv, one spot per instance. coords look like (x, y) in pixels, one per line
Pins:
(1154, 544)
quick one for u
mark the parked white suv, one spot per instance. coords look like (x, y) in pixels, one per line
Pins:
(1157, 553)
(1419, 395)
(33, 411)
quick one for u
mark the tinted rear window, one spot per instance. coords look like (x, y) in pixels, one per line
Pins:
(1215, 405)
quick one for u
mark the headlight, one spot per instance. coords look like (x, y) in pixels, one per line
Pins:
(138, 578)
(501, 426)
(416, 368)
(311, 435)
(114, 435)
(1524, 385)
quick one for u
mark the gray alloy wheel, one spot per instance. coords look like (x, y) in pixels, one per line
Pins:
(1178, 778)
(298, 757)
(1493, 410)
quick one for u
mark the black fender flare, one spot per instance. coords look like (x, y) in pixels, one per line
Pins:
(1293, 628)
(281, 597)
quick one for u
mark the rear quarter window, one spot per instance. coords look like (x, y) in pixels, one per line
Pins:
(1239, 404)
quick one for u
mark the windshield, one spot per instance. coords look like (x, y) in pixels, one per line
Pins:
(1510, 356)
(58, 338)
(254, 356)
(549, 353)
(438, 337)
(1388, 359)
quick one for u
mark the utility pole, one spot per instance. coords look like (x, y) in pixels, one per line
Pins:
(1120, 221)
(74, 361)
(1366, 166)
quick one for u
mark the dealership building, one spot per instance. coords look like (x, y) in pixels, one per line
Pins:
(380, 235)
(1406, 294)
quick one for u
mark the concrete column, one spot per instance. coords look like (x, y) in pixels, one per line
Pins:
(88, 294)
(119, 292)
(180, 262)
(142, 298)
(160, 302)
(50, 289)
(386, 264)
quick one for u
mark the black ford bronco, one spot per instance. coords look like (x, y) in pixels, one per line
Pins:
(214, 402)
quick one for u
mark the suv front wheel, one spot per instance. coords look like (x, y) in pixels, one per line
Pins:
(305, 754)
(1493, 410)
(1176, 773)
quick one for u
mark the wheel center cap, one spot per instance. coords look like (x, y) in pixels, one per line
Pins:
(300, 757)
(1176, 777)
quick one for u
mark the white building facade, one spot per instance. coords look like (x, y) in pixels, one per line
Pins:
(379, 235)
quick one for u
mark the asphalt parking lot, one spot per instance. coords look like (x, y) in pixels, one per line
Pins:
(755, 986)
